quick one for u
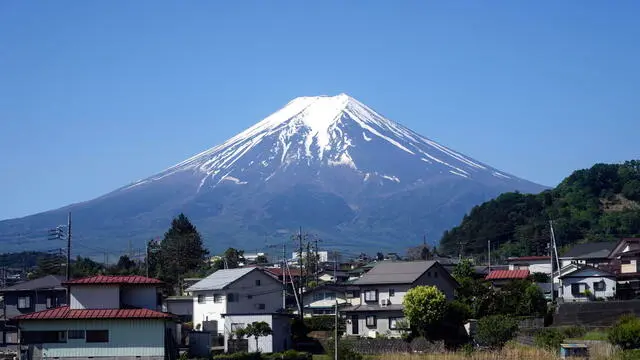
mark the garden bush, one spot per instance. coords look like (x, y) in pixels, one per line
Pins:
(494, 331)
(626, 333)
(549, 339)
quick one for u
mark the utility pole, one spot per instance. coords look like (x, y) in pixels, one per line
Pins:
(335, 334)
(300, 268)
(69, 249)
(284, 275)
(316, 262)
(489, 254)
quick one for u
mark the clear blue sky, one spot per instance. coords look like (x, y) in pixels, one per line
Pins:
(96, 94)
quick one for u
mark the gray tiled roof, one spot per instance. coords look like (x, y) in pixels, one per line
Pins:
(590, 250)
(220, 279)
(45, 282)
(395, 272)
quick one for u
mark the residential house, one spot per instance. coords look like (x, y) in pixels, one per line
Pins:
(278, 341)
(233, 291)
(499, 278)
(321, 300)
(323, 256)
(30, 296)
(625, 263)
(535, 264)
(585, 283)
(382, 292)
(180, 306)
(109, 317)
(289, 275)
(592, 254)
(331, 276)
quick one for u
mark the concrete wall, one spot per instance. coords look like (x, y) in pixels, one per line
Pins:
(279, 341)
(144, 297)
(95, 297)
(127, 338)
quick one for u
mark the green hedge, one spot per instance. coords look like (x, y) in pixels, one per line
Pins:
(287, 355)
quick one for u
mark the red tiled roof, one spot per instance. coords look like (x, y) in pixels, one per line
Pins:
(62, 313)
(278, 271)
(529, 258)
(108, 279)
(507, 274)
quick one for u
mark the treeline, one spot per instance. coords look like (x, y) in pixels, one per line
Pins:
(597, 204)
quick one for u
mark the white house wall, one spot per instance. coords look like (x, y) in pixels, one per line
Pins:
(143, 297)
(277, 342)
(127, 338)
(588, 277)
(382, 324)
(95, 297)
(269, 293)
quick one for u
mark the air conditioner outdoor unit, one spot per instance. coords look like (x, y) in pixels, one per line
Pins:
(386, 302)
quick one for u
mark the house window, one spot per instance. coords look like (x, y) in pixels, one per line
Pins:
(371, 295)
(97, 336)
(24, 302)
(435, 274)
(201, 299)
(231, 297)
(578, 289)
(599, 286)
(428, 273)
(392, 292)
(217, 298)
(260, 306)
(393, 323)
(257, 282)
(50, 302)
(76, 334)
(44, 337)
(371, 321)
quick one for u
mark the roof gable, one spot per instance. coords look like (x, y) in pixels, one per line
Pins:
(395, 272)
(114, 280)
(588, 271)
(622, 244)
(221, 279)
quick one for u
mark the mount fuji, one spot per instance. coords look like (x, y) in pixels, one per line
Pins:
(328, 163)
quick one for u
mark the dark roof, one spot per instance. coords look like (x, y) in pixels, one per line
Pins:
(395, 272)
(278, 271)
(590, 250)
(114, 280)
(53, 282)
(63, 313)
(371, 308)
(507, 274)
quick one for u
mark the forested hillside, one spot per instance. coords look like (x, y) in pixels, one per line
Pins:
(596, 204)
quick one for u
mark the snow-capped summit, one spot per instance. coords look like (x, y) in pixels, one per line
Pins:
(328, 163)
(316, 132)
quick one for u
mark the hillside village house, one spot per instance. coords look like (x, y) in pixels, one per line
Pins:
(23, 298)
(382, 292)
(233, 291)
(584, 283)
(321, 300)
(535, 264)
(499, 278)
(109, 317)
(592, 254)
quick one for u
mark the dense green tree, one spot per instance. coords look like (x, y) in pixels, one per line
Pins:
(463, 270)
(424, 306)
(84, 267)
(494, 331)
(181, 251)
(230, 259)
(596, 204)
(626, 333)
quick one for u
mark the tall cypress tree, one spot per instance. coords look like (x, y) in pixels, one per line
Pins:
(181, 251)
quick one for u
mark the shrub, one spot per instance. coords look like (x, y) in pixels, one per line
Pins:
(494, 331)
(288, 355)
(239, 356)
(626, 333)
(572, 332)
(325, 323)
(549, 339)
(345, 350)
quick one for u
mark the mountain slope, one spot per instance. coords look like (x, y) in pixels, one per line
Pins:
(597, 204)
(328, 163)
